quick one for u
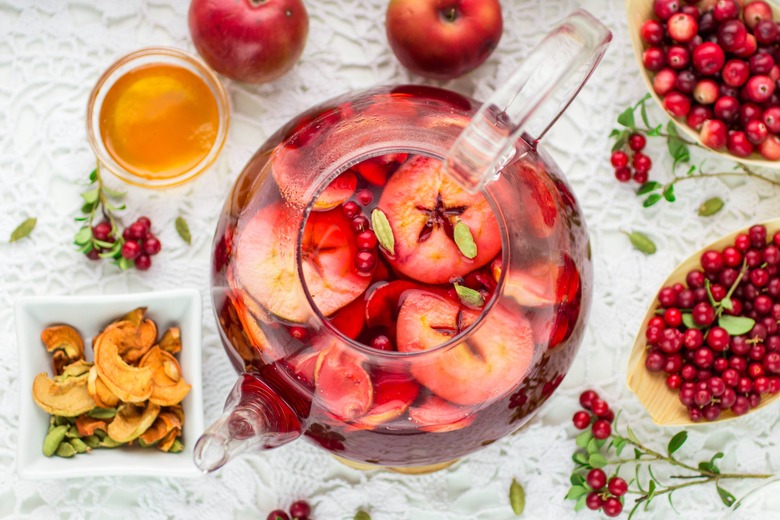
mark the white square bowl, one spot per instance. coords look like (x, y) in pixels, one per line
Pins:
(89, 315)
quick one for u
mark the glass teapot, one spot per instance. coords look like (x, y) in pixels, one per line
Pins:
(400, 275)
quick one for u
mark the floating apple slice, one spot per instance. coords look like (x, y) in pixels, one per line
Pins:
(539, 201)
(423, 205)
(437, 415)
(339, 190)
(351, 319)
(382, 302)
(540, 284)
(265, 259)
(342, 384)
(376, 170)
(490, 363)
(393, 394)
(287, 163)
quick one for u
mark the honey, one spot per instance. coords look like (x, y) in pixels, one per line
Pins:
(159, 121)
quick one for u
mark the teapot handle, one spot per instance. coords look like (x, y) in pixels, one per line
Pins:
(530, 101)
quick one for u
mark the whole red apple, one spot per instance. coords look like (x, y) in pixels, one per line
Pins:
(255, 41)
(443, 39)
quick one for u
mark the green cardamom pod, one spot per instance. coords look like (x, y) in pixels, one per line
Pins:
(93, 441)
(102, 413)
(108, 442)
(517, 497)
(710, 206)
(79, 445)
(177, 447)
(53, 439)
(362, 515)
(73, 433)
(66, 450)
(641, 242)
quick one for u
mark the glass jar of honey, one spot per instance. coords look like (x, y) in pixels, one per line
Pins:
(157, 117)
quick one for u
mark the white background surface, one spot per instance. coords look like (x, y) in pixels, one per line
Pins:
(51, 53)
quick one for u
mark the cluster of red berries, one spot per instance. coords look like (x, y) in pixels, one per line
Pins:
(713, 369)
(365, 239)
(718, 67)
(597, 414)
(299, 510)
(640, 163)
(140, 244)
(605, 493)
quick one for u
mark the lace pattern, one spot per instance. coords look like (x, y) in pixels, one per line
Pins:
(52, 52)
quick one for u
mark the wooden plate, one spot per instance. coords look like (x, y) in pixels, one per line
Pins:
(663, 404)
(638, 11)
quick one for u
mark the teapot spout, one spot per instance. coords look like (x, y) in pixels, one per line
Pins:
(255, 418)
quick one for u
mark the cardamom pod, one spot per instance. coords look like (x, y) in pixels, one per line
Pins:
(641, 242)
(53, 439)
(102, 413)
(66, 450)
(108, 442)
(177, 447)
(710, 206)
(93, 441)
(73, 433)
(79, 445)
(362, 515)
(517, 497)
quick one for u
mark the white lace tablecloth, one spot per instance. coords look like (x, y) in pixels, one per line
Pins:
(51, 53)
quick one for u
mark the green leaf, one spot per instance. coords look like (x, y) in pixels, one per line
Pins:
(713, 467)
(576, 492)
(643, 113)
(118, 195)
(91, 196)
(382, 230)
(651, 200)
(362, 515)
(183, 230)
(576, 479)
(650, 493)
(23, 229)
(88, 207)
(464, 240)
(580, 503)
(620, 142)
(619, 445)
(642, 242)
(736, 325)
(648, 187)
(115, 250)
(93, 175)
(124, 264)
(633, 510)
(655, 131)
(584, 438)
(676, 442)
(614, 133)
(580, 458)
(593, 446)
(632, 435)
(669, 193)
(727, 304)
(469, 296)
(710, 207)
(517, 497)
(627, 118)
(687, 319)
(704, 466)
(637, 454)
(690, 171)
(597, 460)
(725, 497)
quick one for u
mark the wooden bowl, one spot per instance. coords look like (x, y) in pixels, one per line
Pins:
(638, 11)
(663, 404)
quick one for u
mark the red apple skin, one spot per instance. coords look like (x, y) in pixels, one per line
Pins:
(443, 39)
(254, 41)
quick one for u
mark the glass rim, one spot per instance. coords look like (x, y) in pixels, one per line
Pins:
(125, 64)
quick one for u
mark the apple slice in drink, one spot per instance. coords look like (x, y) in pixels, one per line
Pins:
(287, 164)
(423, 205)
(376, 170)
(394, 392)
(265, 260)
(343, 386)
(437, 415)
(485, 366)
(351, 319)
(540, 284)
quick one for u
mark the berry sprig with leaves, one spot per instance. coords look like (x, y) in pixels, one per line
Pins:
(679, 149)
(99, 199)
(596, 482)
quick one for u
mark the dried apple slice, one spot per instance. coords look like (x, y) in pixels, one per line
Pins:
(266, 269)
(490, 363)
(66, 344)
(130, 384)
(131, 421)
(437, 415)
(423, 205)
(168, 385)
(342, 384)
(100, 393)
(171, 341)
(68, 398)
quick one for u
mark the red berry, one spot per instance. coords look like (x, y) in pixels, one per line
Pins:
(381, 342)
(654, 58)
(366, 240)
(152, 245)
(682, 27)
(623, 174)
(137, 231)
(581, 420)
(350, 209)
(732, 35)
(300, 509)
(93, 254)
(664, 82)
(712, 261)
(673, 381)
(601, 429)
(765, 32)
(718, 339)
(617, 486)
(365, 261)
(697, 116)
(594, 501)
(759, 88)
(143, 262)
(652, 32)
(612, 507)
(587, 397)
(725, 10)
(100, 231)
(131, 249)
(596, 479)
(619, 159)
(277, 514)
(713, 134)
(708, 58)
(755, 12)
(771, 118)
(664, 9)
(735, 73)
(642, 162)
(655, 361)
(738, 144)
(770, 148)
(641, 176)
(365, 197)
(673, 317)
(637, 142)
(706, 91)
(761, 63)
(676, 104)
(599, 407)
(726, 109)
